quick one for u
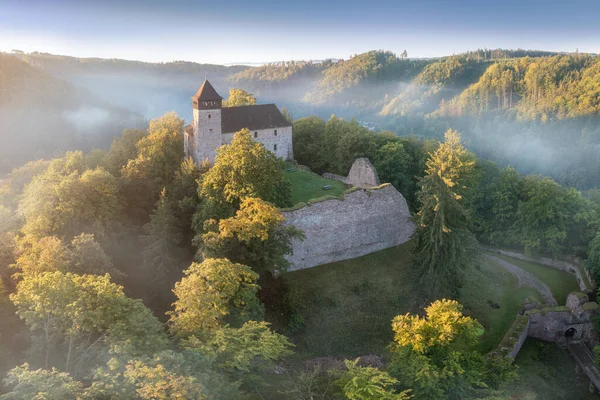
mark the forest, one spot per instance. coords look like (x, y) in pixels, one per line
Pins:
(128, 271)
(87, 234)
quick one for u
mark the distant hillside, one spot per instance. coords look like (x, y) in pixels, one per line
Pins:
(441, 79)
(373, 82)
(349, 87)
(559, 87)
(41, 116)
(150, 89)
(345, 82)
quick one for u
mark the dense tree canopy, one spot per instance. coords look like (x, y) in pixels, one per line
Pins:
(67, 199)
(212, 293)
(89, 315)
(243, 169)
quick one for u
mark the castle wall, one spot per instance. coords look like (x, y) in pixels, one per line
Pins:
(267, 137)
(363, 222)
(362, 174)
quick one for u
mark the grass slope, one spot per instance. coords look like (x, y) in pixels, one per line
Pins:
(492, 296)
(306, 186)
(561, 283)
(348, 306)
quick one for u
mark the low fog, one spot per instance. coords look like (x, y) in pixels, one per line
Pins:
(145, 91)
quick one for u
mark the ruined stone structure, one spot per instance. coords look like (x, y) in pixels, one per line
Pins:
(362, 174)
(214, 126)
(364, 221)
(561, 325)
(557, 324)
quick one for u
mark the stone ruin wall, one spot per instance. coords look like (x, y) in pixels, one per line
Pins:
(519, 343)
(362, 174)
(550, 324)
(364, 221)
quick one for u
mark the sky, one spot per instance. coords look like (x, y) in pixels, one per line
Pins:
(257, 31)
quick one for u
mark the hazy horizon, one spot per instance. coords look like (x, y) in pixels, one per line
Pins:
(267, 31)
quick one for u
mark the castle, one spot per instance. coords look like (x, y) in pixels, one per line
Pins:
(367, 218)
(214, 125)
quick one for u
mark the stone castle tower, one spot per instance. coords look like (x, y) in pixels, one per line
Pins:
(207, 105)
(213, 126)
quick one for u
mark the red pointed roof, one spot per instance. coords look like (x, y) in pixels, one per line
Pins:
(207, 92)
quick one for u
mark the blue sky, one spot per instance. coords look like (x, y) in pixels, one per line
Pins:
(262, 31)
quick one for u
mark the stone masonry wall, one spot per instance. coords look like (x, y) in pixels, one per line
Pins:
(283, 140)
(363, 222)
(362, 174)
(520, 341)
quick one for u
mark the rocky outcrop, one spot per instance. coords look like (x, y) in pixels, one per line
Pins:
(363, 221)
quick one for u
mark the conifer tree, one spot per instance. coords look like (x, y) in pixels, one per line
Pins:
(445, 243)
(161, 240)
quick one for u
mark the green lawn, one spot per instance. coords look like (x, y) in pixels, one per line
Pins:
(348, 306)
(492, 296)
(561, 283)
(306, 185)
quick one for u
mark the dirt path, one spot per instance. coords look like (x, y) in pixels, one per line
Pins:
(527, 279)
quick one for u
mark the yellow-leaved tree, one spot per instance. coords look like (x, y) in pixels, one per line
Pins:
(443, 324)
(239, 97)
(434, 356)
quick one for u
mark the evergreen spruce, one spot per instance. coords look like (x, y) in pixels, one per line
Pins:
(445, 243)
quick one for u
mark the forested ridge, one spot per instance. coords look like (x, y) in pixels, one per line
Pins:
(535, 110)
(42, 116)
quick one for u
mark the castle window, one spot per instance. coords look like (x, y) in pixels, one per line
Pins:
(275, 132)
(274, 147)
(208, 115)
(210, 129)
(255, 134)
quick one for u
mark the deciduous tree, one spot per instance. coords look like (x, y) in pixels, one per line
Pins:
(213, 293)
(41, 384)
(368, 383)
(255, 236)
(243, 169)
(75, 320)
(239, 97)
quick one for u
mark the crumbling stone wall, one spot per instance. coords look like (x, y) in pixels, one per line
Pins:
(362, 174)
(551, 323)
(364, 221)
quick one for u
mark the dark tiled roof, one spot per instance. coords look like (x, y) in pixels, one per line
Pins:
(206, 92)
(261, 116)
